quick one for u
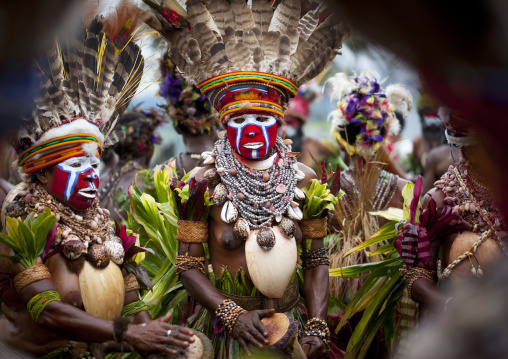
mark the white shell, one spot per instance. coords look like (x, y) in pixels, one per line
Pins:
(209, 160)
(295, 213)
(278, 217)
(102, 290)
(115, 251)
(299, 175)
(206, 154)
(299, 194)
(229, 213)
(271, 270)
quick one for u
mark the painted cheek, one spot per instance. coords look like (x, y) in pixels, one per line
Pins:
(60, 181)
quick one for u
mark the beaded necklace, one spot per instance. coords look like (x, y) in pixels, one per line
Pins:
(259, 195)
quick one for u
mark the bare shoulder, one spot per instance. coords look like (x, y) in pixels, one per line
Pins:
(309, 173)
(397, 199)
(437, 195)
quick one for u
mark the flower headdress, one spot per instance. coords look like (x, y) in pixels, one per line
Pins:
(250, 57)
(87, 79)
(365, 113)
(186, 105)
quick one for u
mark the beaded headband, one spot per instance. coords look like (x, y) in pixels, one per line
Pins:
(459, 130)
(248, 91)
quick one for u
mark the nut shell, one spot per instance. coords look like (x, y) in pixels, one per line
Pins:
(241, 229)
(115, 251)
(266, 238)
(98, 256)
(212, 176)
(287, 227)
(220, 194)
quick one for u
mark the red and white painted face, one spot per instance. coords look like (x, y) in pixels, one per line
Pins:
(76, 181)
(252, 135)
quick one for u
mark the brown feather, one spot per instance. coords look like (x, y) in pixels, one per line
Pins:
(270, 47)
(262, 13)
(307, 25)
(249, 39)
(220, 12)
(316, 67)
(281, 63)
(257, 58)
(238, 55)
(242, 15)
(286, 15)
(229, 34)
(193, 51)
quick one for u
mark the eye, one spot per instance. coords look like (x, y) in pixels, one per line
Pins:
(95, 165)
(261, 119)
(75, 165)
(239, 120)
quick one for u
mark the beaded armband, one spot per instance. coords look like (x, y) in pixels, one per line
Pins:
(133, 308)
(130, 283)
(315, 258)
(228, 312)
(192, 231)
(415, 273)
(38, 302)
(185, 263)
(318, 328)
(31, 275)
(313, 228)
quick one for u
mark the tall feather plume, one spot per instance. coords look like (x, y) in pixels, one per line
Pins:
(234, 36)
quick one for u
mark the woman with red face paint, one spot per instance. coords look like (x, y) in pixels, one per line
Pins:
(249, 60)
(77, 298)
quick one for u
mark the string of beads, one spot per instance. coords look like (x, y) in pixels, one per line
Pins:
(228, 312)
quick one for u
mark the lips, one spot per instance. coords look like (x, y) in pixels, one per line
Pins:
(253, 145)
(88, 192)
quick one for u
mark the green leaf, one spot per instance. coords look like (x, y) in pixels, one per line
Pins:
(11, 258)
(8, 241)
(41, 233)
(391, 214)
(28, 237)
(355, 271)
(12, 225)
(407, 193)
(387, 248)
(385, 233)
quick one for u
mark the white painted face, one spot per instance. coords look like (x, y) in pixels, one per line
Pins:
(252, 135)
(76, 180)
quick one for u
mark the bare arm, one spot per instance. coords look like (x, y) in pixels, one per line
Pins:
(316, 286)
(429, 176)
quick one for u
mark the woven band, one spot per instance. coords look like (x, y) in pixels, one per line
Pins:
(130, 283)
(415, 273)
(192, 231)
(251, 105)
(31, 275)
(38, 302)
(185, 263)
(241, 76)
(313, 228)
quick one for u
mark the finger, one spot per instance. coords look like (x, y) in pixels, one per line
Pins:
(258, 335)
(183, 336)
(164, 349)
(265, 313)
(249, 338)
(244, 345)
(166, 318)
(262, 329)
(173, 341)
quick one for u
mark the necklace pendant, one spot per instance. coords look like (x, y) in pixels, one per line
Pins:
(241, 229)
(98, 256)
(287, 227)
(266, 238)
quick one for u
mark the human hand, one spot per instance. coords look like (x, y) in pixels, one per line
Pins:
(248, 329)
(314, 347)
(157, 335)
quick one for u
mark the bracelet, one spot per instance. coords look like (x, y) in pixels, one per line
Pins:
(315, 258)
(318, 327)
(228, 312)
(192, 231)
(130, 283)
(185, 263)
(314, 228)
(120, 326)
(38, 302)
(31, 275)
(130, 309)
(415, 273)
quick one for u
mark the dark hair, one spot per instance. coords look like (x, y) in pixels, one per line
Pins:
(350, 132)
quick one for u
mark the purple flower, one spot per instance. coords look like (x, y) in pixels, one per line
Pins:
(351, 106)
(171, 89)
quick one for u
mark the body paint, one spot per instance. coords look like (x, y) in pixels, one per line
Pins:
(252, 136)
(76, 181)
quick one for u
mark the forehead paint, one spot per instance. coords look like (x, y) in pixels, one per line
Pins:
(246, 132)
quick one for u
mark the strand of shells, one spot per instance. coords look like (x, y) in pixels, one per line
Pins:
(259, 195)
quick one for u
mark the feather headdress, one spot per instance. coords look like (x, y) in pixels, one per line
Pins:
(365, 111)
(237, 53)
(86, 80)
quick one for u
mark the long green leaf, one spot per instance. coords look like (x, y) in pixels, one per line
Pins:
(385, 233)
(355, 271)
(387, 248)
(12, 225)
(26, 235)
(41, 233)
(8, 241)
(391, 214)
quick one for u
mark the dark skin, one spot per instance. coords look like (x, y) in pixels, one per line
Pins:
(195, 144)
(226, 251)
(64, 322)
(423, 291)
(437, 164)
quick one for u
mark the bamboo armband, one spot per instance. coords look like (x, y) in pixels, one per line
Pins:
(130, 283)
(192, 231)
(313, 228)
(31, 275)
(39, 301)
(133, 308)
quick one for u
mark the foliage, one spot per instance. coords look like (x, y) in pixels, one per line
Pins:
(318, 200)
(30, 238)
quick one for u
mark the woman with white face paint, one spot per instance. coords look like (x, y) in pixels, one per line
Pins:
(78, 293)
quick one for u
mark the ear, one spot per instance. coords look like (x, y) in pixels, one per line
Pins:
(42, 176)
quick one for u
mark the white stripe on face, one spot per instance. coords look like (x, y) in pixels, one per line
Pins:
(74, 166)
(263, 122)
